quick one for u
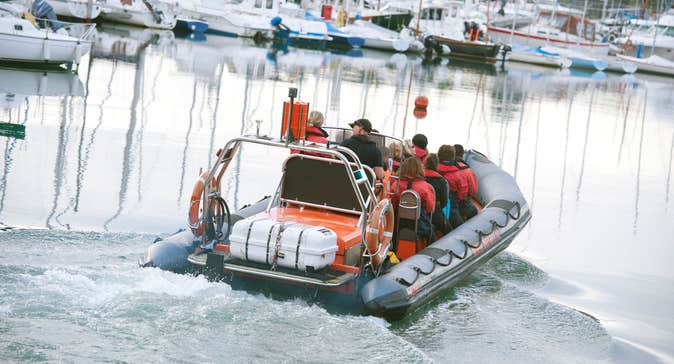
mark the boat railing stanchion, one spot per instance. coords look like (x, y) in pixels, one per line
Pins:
(257, 130)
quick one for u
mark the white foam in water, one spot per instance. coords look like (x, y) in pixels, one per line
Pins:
(162, 282)
(5, 310)
(95, 289)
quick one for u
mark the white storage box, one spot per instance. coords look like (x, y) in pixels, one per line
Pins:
(299, 246)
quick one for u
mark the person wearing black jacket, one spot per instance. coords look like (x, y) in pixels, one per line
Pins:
(365, 148)
(441, 187)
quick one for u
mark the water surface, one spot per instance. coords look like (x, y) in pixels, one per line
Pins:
(110, 155)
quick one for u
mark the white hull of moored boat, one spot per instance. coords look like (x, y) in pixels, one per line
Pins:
(529, 39)
(227, 22)
(159, 16)
(76, 9)
(533, 57)
(41, 50)
(20, 41)
(653, 64)
(380, 38)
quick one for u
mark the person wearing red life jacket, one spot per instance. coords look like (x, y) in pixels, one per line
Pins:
(441, 187)
(466, 207)
(472, 182)
(458, 182)
(412, 177)
(314, 133)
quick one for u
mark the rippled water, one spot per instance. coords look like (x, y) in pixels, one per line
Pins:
(110, 155)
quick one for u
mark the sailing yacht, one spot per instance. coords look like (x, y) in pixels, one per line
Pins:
(556, 27)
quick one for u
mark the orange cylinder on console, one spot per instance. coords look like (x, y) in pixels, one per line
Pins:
(298, 122)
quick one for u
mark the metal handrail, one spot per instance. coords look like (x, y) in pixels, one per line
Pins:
(338, 152)
(83, 37)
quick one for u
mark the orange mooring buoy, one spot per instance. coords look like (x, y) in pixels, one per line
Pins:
(421, 102)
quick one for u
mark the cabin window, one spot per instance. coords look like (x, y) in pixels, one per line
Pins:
(18, 27)
(258, 3)
(270, 4)
(424, 14)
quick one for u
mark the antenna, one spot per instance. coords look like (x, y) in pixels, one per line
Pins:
(292, 93)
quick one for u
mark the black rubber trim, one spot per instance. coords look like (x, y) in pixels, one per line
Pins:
(250, 228)
(502, 204)
(266, 257)
(297, 251)
(434, 253)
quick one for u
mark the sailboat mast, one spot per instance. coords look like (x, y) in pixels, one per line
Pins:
(419, 15)
(582, 26)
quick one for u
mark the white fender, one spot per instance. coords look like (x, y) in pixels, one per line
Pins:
(46, 54)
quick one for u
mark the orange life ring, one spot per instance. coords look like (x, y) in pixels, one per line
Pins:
(195, 202)
(379, 232)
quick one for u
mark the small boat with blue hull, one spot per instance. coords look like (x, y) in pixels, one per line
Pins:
(329, 231)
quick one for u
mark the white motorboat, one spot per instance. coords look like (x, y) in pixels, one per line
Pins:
(82, 9)
(652, 64)
(252, 18)
(377, 37)
(144, 13)
(23, 41)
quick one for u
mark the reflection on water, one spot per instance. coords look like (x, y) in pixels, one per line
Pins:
(117, 148)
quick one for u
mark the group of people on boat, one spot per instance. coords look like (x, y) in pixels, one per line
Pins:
(443, 180)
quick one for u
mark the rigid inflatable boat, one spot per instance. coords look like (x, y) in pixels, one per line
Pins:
(329, 230)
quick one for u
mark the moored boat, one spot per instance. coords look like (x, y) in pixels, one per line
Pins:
(555, 28)
(23, 41)
(330, 232)
(652, 64)
(449, 24)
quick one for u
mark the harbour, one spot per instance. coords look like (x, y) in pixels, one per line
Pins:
(102, 161)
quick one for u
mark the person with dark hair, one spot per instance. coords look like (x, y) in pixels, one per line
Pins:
(458, 151)
(412, 177)
(419, 144)
(458, 183)
(468, 210)
(441, 187)
(364, 147)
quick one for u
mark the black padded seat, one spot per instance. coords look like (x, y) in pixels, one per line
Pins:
(321, 182)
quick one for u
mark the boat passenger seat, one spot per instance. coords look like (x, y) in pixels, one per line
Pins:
(409, 210)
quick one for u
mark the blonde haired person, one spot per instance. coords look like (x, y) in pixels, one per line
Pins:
(314, 131)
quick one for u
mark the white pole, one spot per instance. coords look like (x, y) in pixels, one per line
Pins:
(582, 25)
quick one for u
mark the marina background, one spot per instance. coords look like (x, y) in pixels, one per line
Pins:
(110, 154)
